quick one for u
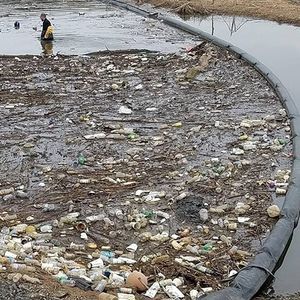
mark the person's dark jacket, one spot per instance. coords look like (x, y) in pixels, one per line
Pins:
(46, 24)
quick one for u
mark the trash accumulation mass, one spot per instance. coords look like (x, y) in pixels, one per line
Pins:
(136, 175)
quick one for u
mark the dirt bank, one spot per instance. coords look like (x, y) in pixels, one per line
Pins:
(285, 11)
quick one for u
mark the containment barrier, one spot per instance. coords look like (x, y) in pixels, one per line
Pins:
(249, 280)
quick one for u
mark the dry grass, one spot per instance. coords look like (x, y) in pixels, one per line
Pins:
(279, 10)
(185, 9)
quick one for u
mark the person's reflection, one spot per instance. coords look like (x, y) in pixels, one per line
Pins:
(47, 47)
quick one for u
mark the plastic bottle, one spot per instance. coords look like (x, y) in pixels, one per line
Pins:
(207, 247)
(68, 282)
(204, 269)
(81, 159)
(101, 286)
(32, 262)
(95, 218)
(22, 267)
(77, 247)
(98, 263)
(69, 218)
(107, 255)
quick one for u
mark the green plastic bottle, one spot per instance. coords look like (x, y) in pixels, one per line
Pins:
(81, 159)
(207, 247)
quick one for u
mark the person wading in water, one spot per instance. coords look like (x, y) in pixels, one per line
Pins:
(47, 31)
(46, 35)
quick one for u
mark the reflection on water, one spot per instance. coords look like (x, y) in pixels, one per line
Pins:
(47, 47)
(233, 24)
(278, 47)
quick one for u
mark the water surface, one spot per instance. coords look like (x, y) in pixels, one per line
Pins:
(83, 27)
